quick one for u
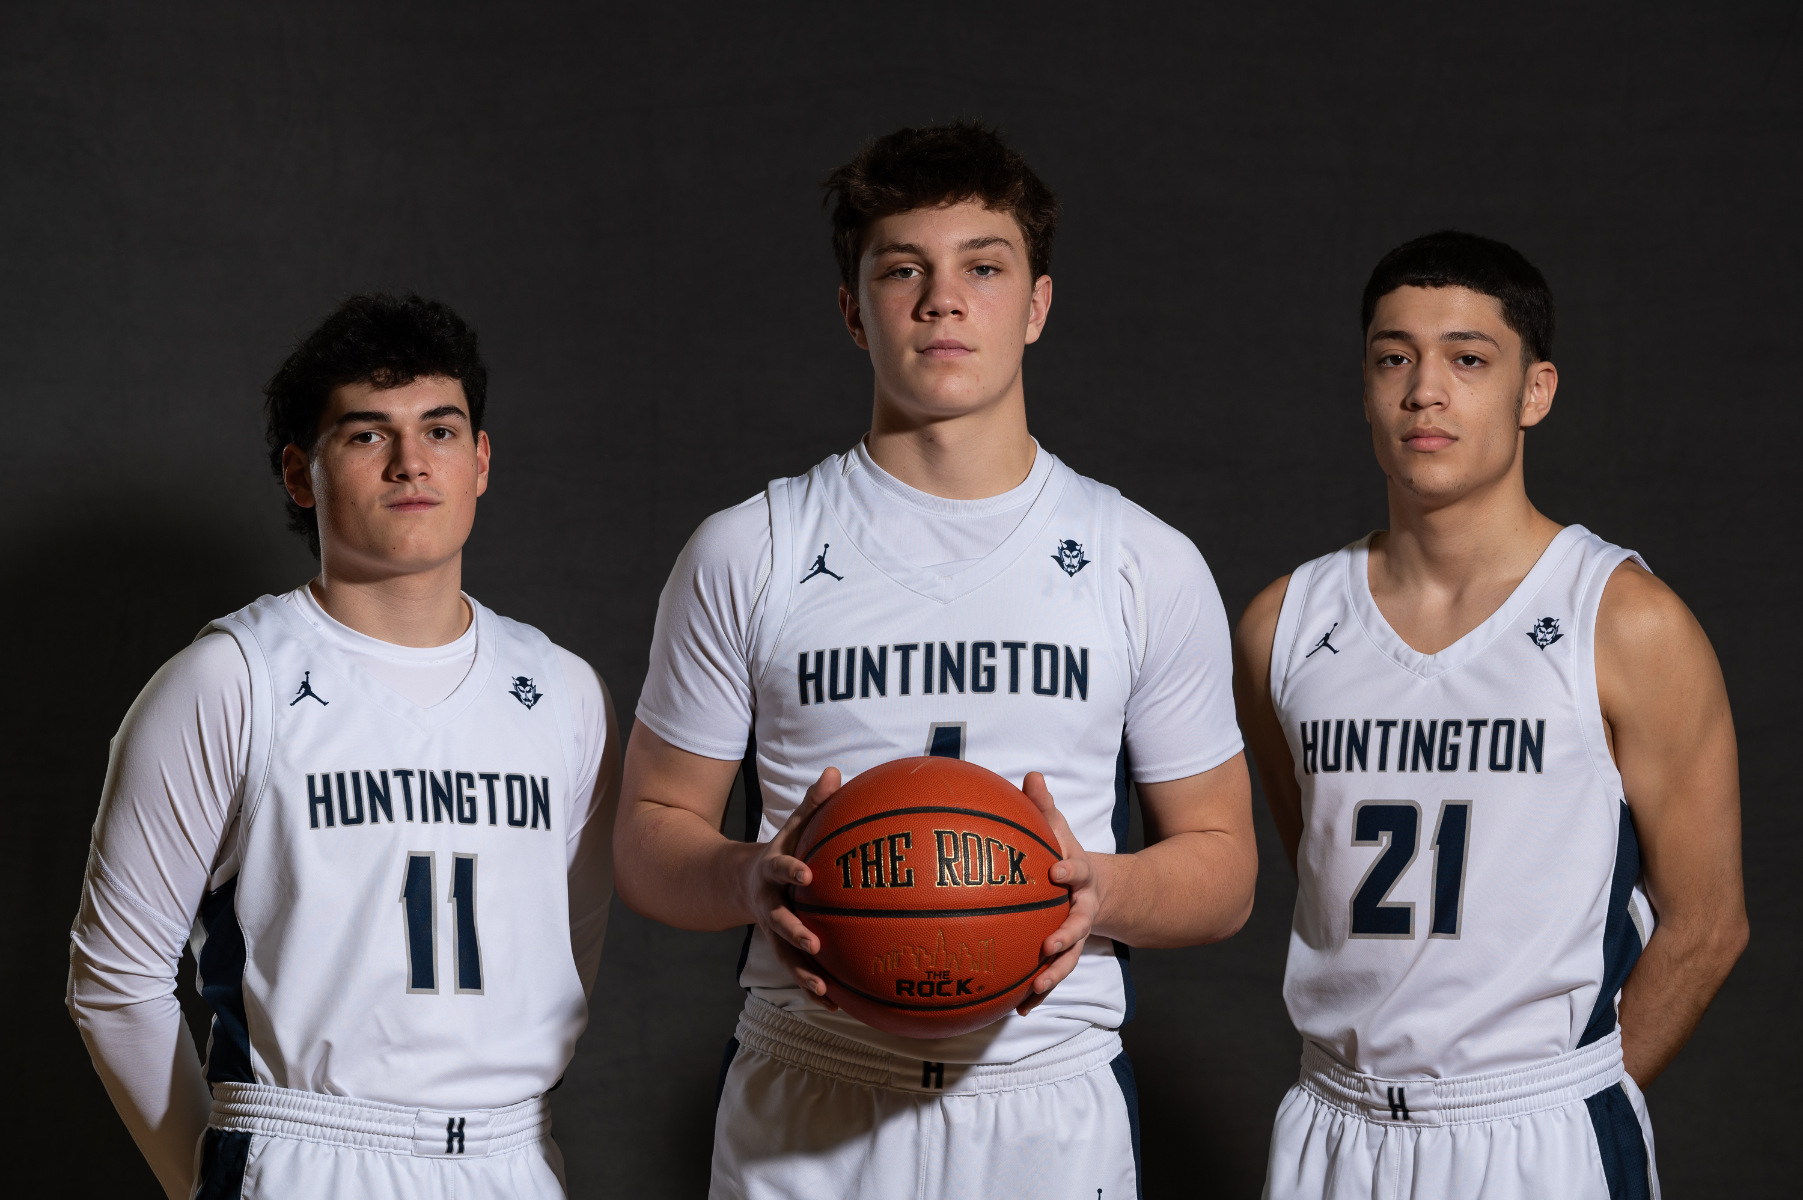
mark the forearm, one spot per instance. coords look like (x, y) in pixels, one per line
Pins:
(1190, 888)
(672, 866)
(145, 1057)
(1669, 990)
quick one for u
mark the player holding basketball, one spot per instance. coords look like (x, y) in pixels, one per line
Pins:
(384, 811)
(949, 587)
(1496, 749)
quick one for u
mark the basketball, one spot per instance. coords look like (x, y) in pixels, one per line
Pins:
(931, 895)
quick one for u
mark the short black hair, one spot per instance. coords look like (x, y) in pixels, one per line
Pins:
(934, 165)
(385, 341)
(1453, 258)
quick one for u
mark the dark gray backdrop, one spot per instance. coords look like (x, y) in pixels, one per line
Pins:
(623, 200)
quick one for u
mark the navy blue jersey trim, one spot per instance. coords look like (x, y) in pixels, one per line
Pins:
(1122, 1066)
(221, 970)
(1621, 941)
(223, 1155)
(732, 1052)
(754, 819)
(1122, 822)
(1621, 1144)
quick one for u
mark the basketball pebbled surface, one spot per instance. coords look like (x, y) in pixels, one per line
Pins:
(931, 895)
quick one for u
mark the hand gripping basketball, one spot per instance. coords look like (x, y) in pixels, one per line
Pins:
(770, 875)
(1075, 872)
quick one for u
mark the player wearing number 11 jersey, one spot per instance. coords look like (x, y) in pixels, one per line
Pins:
(384, 813)
(1500, 756)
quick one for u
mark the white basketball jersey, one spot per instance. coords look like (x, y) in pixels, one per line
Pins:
(1019, 662)
(1469, 877)
(393, 921)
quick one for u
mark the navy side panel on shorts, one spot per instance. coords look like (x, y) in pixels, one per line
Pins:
(1621, 1144)
(221, 968)
(732, 1052)
(1122, 1066)
(1123, 953)
(1621, 941)
(223, 1155)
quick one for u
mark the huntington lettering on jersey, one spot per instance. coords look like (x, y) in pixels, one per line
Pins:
(445, 797)
(1447, 744)
(977, 667)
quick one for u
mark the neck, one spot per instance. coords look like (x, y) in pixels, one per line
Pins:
(1492, 534)
(425, 608)
(971, 456)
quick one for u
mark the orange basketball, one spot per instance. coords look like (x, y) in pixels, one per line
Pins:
(931, 895)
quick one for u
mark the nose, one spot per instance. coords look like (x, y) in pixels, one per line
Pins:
(944, 298)
(1428, 385)
(408, 463)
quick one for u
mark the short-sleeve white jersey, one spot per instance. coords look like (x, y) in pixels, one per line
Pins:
(849, 619)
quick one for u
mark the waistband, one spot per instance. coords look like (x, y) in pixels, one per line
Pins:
(1464, 1099)
(371, 1125)
(766, 1029)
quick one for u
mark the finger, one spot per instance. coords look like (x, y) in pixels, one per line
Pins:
(823, 788)
(1056, 972)
(780, 869)
(1072, 872)
(1072, 934)
(1041, 796)
(787, 926)
(803, 970)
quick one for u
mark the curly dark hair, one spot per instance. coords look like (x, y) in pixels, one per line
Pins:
(938, 164)
(385, 341)
(1453, 258)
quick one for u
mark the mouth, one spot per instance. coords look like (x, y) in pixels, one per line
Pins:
(946, 348)
(1427, 439)
(411, 504)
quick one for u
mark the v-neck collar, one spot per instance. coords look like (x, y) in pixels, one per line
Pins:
(385, 697)
(1474, 642)
(926, 581)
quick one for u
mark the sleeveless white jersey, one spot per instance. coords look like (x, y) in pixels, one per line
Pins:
(1469, 877)
(1018, 663)
(393, 924)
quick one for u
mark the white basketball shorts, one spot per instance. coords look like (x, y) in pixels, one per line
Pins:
(1575, 1127)
(805, 1113)
(277, 1142)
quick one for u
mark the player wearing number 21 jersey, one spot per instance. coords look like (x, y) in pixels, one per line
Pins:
(947, 586)
(1500, 756)
(382, 810)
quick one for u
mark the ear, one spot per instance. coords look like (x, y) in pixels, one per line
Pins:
(854, 316)
(1537, 393)
(481, 462)
(1040, 309)
(297, 475)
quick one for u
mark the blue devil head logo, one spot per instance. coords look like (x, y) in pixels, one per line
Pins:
(1545, 632)
(524, 691)
(1070, 557)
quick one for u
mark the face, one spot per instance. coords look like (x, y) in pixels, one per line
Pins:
(1446, 393)
(394, 477)
(946, 305)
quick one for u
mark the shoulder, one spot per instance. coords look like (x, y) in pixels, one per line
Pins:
(1258, 624)
(732, 539)
(584, 682)
(1147, 539)
(1642, 626)
(212, 665)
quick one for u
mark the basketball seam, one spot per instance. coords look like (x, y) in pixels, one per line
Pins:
(926, 914)
(931, 808)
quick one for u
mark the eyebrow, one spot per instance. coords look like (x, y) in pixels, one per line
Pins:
(1453, 335)
(910, 248)
(372, 417)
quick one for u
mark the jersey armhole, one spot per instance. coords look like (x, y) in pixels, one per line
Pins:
(1588, 700)
(262, 747)
(771, 609)
(1289, 622)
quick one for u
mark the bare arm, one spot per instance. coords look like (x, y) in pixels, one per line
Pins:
(672, 863)
(1258, 717)
(1666, 710)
